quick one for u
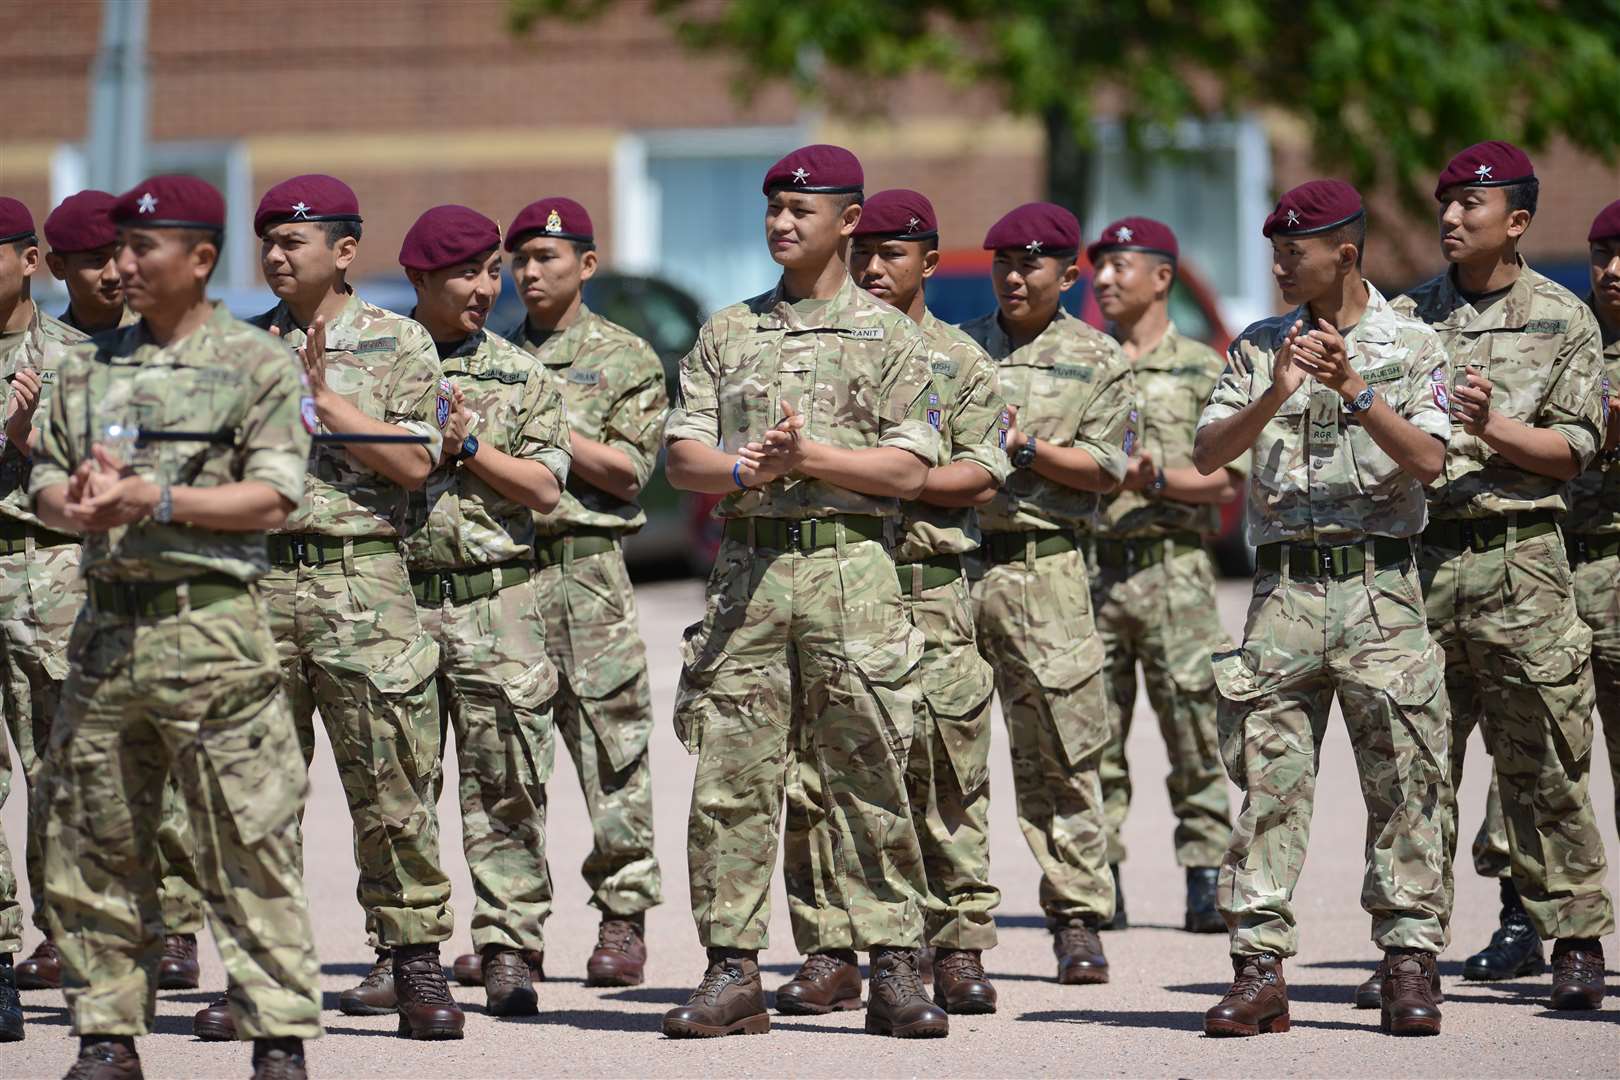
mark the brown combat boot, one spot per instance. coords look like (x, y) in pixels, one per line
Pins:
(1079, 954)
(1409, 1002)
(960, 984)
(620, 956)
(1370, 994)
(1257, 1003)
(375, 994)
(178, 970)
(279, 1059)
(468, 970)
(898, 1004)
(106, 1058)
(1577, 981)
(42, 970)
(508, 985)
(826, 982)
(729, 1000)
(426, 1009)
(214, 1022)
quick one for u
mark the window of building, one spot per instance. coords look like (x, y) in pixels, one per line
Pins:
(688, 208)
(1212, 190)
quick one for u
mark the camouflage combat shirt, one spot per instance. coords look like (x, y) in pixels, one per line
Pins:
(41, 346)
(1073, 388)
(1594, 496)
(854, 367)
(1174, 380)
(1539, 346)
(1316, 476)
(614, 385)
(384, 365)
(456, 519)
(224, 376)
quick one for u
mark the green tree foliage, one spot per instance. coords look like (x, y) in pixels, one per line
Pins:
(1386, 90)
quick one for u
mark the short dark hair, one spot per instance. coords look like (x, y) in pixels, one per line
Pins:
(582, 246)
(193, 237)
(338, 230)
(1352, 232)
(23, 243)
(1523, 195)
(849, 199)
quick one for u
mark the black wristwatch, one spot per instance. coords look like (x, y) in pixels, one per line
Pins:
(1158, 482)
(1024, 456)
(469, 447)
(1361, 403)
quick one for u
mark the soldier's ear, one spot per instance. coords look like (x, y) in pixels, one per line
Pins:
(930, 262)
(58, 266)
(1518, 221)
(587, 265)
(347, 249)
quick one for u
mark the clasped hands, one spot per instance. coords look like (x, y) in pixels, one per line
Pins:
(779, 452)
(104, 493)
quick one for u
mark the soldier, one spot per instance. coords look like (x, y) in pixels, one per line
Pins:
(174, 670)
(471, 549)
(1071, 392)
(83, 244)
(341, 610)
(808, 405)
(613, 383)
(1342, 403)
(1153, 585)
(896, 248)
(1528, 374)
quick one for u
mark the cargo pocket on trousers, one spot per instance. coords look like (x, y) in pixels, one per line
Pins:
(889, 675)
(612, 677)
(252, 751)
(692, 692)
(1414, 691)
(1238, 686)
(1561, 673)
(956, 699)
(404, 673)
(1078, 695)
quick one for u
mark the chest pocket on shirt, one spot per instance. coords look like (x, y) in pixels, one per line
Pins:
(748, 401)
(186, 399)
(1520, 366)
(1054, 400)
(1282, 442)
(1373, 467)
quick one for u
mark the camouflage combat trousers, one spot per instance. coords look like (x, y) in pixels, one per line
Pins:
(948, 785)
(1035, 627)
(195, 696)
(495, 689)
(1597, 601)
(1164, 617)
(1365, 640)
(351, 647)
(1517, 663)
(808, 651)
(603, 710)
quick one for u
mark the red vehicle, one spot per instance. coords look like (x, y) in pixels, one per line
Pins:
(960, 290)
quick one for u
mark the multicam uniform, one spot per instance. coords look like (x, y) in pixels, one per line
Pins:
(173, 672)
(470, 551)
(346, 628)
(1500, 595)
(805, 627)
(948, 770)
(1153, 592)
(1336, 610)
(1032, 606)
(613, 383)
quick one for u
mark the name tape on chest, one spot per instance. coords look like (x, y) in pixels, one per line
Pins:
(494, 374)
(1071, 371)
(1546, 326)
(583, 378)
(947, 368)
(1384, 373)
(376, 345)
(862, 333)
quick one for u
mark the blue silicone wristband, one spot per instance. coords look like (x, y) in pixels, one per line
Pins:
(736, 475)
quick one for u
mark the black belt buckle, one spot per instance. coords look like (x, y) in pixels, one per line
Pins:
(795, 535)
(1129, 547)
(298, 550)
(1577, 549)
(447, 586)
(1327, 564)
(1467, 536)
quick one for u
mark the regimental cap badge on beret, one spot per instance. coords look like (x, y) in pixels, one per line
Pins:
(311, 197)
(899, 214)
(1317, 206)
(1038, 228)
(1136, 234)
(821, 169)
(555, 216)
(170, 202)
(1487, 164)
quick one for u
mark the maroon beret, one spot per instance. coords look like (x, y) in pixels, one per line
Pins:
(16, 223)
(1136, 234)
(81, 222)
(1316, 206)
(898, 213)
(553, 216)
(448, 235)
(170, 202)
(312, 197)
(1487, 164)
(1038, 227)
(1606, 226)
(819, 170)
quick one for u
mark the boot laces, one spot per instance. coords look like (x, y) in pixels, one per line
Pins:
(616, 934)
(277, 1065)
(178, 947)
(715, 980)
(1079, 939)
(818, 966)
(506, 971)
(91, 1060)
(1407, 975)
(1578, 965)
(1250, 979)
(380, 972)
(959, 964)
(422, 982)
(898, 980)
